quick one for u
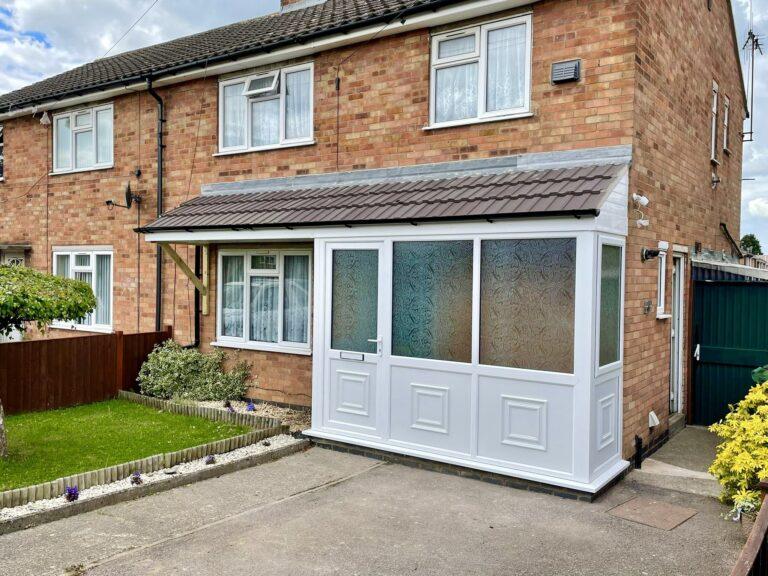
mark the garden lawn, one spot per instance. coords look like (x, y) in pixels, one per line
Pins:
(49, 445)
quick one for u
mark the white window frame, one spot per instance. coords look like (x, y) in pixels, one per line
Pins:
(74, 130)
(620, 243)
(726, 122)
(283, 142)
(481, 57)
(82, 251)
(244, 342)
(715, 107)
(661, 287)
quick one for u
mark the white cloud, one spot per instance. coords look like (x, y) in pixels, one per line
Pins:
(759, 207)
(39, 38)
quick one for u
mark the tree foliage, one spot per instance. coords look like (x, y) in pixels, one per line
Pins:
(27, 295)
(751, 244)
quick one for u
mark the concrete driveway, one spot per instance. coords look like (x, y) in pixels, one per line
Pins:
(323, 512)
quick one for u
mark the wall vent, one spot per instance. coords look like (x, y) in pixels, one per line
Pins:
(568, 71)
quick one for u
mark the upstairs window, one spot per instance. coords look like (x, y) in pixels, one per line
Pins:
(2, 153)
(83, 140)
(266, 111)
(481, 73)
(726, 121)
(715, 104)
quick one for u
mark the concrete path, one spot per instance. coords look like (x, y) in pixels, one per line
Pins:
(322, 512)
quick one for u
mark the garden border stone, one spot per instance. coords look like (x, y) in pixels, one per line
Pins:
(135, 492)
(262, 428)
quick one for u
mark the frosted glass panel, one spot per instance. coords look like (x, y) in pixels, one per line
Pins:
(296, 299)
(355, 300)
(432, 300)
(265, 122)
(610, 304)
(506, 68)
(456, 92)
(263, 308)
(298, 103)
(233, 281)
(527, 297)
(103, 289)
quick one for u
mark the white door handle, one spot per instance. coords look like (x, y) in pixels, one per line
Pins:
(697, 352)
(379, 341)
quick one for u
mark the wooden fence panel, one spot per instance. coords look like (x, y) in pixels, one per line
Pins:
(60, 372)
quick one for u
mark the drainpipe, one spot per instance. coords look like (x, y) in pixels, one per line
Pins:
(160, 155)
(198, 273)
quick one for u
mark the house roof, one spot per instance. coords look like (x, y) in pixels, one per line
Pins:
(220, 44)
(574, 191)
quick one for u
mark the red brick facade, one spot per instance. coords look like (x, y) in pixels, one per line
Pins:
(641, 85)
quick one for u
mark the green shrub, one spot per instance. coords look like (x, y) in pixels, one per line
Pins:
(172, 371)
(742, 458)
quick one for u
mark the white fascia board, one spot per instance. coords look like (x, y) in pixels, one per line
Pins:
(442, 16)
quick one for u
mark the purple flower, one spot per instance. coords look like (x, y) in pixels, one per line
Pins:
(210, 459)
(72, 493)
(136, 478)
(250, 407)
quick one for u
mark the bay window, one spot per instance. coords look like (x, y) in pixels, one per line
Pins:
(94, 267)
(266, 111)
(83, 139)
(264, 300)
(481, 73)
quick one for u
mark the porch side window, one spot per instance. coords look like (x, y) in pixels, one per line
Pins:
(432, 300)
(265, 298)
(83, 139)
(266, 111)
(610, 304)
(481, 72)
(95, 269)
(527, 303)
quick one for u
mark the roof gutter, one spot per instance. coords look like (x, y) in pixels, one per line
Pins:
(435, 13)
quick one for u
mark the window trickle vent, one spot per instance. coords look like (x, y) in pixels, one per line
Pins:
(569, 71)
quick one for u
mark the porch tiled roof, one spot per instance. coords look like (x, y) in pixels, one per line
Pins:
(553, 192)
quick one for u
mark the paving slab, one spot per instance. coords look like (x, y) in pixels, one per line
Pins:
(324, 512)
(654, 513)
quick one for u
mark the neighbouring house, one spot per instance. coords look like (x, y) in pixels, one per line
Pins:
(459, 230)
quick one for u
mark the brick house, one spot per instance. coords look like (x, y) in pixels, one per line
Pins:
(459, 230)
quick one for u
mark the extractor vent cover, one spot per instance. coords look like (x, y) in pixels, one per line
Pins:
(568, 71)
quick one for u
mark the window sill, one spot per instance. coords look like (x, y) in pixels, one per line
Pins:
(81, 328)
(727, 151)
(714, 161)
(81, 170)
(264, 347)
(266, 148)
(662, 316)
(472, 121)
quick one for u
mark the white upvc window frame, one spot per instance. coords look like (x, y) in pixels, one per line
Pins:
(264, 94)
(480, 55)
(279, 272)
(83, 251)
(620, 243)
(726, 122)
(714, 122)
(74, 130)
(661, 285)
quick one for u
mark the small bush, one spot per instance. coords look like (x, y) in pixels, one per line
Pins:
(742, 458)
(172, 371)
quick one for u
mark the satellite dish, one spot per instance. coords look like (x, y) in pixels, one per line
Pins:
(128, 196)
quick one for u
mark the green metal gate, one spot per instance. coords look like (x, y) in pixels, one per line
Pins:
(730, 339)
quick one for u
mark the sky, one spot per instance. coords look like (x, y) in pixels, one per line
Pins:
(39, 38)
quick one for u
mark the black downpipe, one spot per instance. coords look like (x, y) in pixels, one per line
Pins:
(198, 273)
(160, 157)
(638, 452)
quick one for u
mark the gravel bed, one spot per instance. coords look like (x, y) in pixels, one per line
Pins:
(298, 420)
(268, 445)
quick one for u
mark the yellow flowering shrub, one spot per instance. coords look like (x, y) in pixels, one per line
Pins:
(742, 457)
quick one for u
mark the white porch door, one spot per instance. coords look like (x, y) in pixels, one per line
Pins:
(354, 330)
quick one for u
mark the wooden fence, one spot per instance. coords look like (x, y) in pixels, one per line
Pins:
(60, 372)
(753, 560)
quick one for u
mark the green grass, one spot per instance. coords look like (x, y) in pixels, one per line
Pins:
(49, 445)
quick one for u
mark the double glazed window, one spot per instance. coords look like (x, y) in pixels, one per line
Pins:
(266, 110)
(95, 269)
(482, 72)
(83, 139)
(726, 121)
(264, 298)
(715, 104)
(611, 265)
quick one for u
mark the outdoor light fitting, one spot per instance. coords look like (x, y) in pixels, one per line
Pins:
(649, 254)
